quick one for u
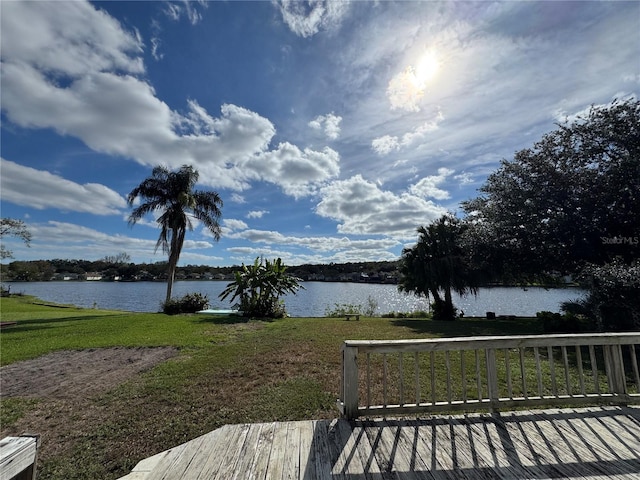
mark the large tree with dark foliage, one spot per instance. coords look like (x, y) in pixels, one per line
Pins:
(570, 202)
(172, 194)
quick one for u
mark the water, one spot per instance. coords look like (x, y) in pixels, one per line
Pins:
(313, 301)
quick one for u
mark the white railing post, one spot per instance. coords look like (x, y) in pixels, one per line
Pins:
(614, 366)
(492, 378)
(350, 381)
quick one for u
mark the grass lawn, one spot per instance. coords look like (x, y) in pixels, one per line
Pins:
(227, 371)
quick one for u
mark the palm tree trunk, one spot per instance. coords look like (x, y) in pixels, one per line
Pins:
(177, 240)
(448, 302)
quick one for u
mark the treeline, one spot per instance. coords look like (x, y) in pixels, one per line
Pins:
(115, 269)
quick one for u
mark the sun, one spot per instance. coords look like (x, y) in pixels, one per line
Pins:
(407, 88)
(426, 68)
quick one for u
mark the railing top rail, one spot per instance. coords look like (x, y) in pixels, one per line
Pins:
(507, 341)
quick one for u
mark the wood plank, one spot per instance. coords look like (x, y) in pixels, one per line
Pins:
(291, 464)
(321, 451)
(247, 452)
(306, 455)
(16, 455)
(347, 461)
(179, 463)
(235, 443)
(365, 451)
(278, 452)
(263, 452)
(211, 467)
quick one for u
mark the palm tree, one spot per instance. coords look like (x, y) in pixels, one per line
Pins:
(173, 194)
(439, 262)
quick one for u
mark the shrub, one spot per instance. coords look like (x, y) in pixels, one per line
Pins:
(190, 303)
(342, 309)
(567, 323)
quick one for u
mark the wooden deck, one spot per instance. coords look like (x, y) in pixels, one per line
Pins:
(578, 443)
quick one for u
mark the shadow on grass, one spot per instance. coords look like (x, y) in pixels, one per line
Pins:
(469, 327)
(222, 320)
(41, 323)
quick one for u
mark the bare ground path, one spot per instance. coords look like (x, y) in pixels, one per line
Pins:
(64, 385)
(73, 374)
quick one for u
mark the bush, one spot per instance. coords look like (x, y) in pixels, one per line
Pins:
(567, 323)
(190, 303)
(342, 309)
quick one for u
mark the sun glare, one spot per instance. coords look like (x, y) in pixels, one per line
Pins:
(427, 68)
(407, 88)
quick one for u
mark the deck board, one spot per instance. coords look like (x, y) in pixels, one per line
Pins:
(584, 443)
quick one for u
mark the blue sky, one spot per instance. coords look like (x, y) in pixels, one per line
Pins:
(331, 130)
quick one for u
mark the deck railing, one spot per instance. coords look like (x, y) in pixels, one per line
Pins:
(399, 377)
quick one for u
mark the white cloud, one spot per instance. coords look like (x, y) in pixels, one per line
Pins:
(237, 198)
(56, 239)
(428, 186)
(308, 17)
(257, 213)
(364, 209)
(317, 244)
(187, 8)
(67, 39)
(296, 171)
(465, 178)
(329, 124)
(42, 190)
(232, 224)
(119, 114)
(387, 143)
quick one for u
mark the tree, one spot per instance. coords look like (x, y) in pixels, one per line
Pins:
(173, 194)
(438, 262)
(259, 288)
(16, 228)
(570, 205)
(119, 259)
(571, 199)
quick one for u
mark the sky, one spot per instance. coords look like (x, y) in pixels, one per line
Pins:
(331, 130)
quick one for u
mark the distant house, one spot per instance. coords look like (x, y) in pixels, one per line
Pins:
(93, 276)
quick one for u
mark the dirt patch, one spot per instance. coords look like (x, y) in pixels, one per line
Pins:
(78, 374)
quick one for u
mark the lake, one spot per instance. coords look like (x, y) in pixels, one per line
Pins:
(313, 301)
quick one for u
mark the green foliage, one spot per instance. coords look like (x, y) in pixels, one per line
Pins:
(342, 309)
(443, 310)
(173, 194)
(562, 203)
(258, 288)
(613, 299)
(439, 262)
(554, 322)
(189, 303)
